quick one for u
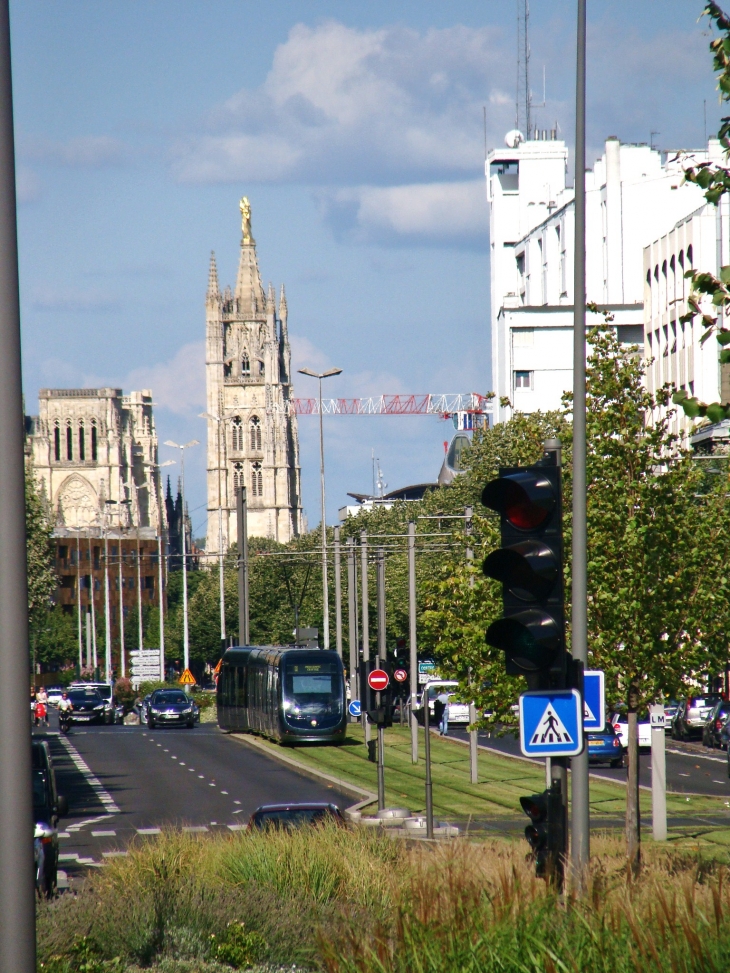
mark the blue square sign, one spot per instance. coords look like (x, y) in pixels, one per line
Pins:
(551, 723)
(594, 700)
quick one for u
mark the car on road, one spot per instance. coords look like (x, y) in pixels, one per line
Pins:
(105, 691)
(458, 711)
(692, 715)
(620, 723)
(88, 706)
(670, 711)
(294, 815)
(48, 806)
(605, 747)
(54, 695)
(170, 707)
(714, 725)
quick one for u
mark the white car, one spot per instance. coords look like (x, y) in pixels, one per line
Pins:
(54, 695)
(458, 711)
(620, 722)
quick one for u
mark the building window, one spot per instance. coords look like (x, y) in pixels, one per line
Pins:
(69, 442)
(523, 380)
(237, 476)
(237, 435)
(255, 433)
(93, 440)
(245, 364)
(82, 443)
(261, 368)
(57, 442)
(257, 480)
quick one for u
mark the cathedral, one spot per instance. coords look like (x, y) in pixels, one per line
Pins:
(252, 429)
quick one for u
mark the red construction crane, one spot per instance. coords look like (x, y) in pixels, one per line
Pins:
(444, 405)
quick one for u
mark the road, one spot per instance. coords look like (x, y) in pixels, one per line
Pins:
(691, 768)
(123, 782)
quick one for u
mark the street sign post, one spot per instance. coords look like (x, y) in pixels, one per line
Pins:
(658, 773)
(551, 723)
(594, 700)
(354, 708)
(378, 680)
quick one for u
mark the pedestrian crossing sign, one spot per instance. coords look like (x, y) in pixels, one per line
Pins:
(187, 678)
(551, 723)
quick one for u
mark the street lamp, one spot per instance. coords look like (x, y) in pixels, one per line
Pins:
(325, 596)
(186, 636)
(122, 661)
(160, 571)
(218, 420)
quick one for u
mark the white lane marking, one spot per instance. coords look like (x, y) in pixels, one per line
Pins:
(718, 782)
(214, 822)
(236, 802)
(149, 831)
(173, 757)
(182, 763)
(697, 756)
(63, 834)
(103, 834)
(211, 784)
(684, 775)
(239, 811)
(82, 824)
(114, 854)
(194, 829)
(224, 792)
(236, 827)
(201, 776)
(191, 769)
(68, 856)
(159, 744)
(165, 751)
(104, 796)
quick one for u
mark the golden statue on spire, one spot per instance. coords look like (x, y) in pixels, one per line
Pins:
(245, 208)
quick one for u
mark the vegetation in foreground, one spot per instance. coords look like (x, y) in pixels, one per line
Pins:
(344, 901)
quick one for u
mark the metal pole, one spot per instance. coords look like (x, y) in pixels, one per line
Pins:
(365, 619)
(17, 906)
(429, 785)
(88, 640)
(338, 594)
(382, 650)
(412, 636)
(107, 613)
(242, 529)
(351, 608)
(325, 589)
(161, 601)
(78, 602)
(473, 734)
(658, 773)
(122, 655)
(186, 633)
(139, 585)
(95, 659)
(221, 572)
(381, 760)
(580, 843)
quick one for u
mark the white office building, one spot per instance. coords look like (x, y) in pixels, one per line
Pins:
(634, 195)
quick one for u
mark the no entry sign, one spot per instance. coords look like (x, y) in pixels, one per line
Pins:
(378, 680)
(400, 675)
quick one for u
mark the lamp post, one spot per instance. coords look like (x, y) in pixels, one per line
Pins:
(186, 635)
(122, 660)
(160, 570)
(325, 597)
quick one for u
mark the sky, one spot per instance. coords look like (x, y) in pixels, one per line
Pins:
(357, 132)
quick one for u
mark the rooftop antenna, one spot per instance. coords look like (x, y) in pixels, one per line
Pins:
(651, 139)
(372, 456)
(522, 102)
(484, 109)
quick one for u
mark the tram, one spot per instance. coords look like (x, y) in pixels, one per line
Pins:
(292, 695)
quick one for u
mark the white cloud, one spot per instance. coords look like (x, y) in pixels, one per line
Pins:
(443, 212)
(87, 151)
(177, 384)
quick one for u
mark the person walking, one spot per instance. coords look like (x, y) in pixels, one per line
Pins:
(443, 699)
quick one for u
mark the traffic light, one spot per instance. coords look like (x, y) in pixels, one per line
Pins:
(529, 564)
(546, 833)
(381, 715)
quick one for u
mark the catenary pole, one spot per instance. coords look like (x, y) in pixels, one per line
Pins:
(78, 601)
(242, 530)
(365, 617)
(473, 734)
(122, 658)
(17, 905)
(338, 593)
(351, 615)
(412, 636)
(580, 833)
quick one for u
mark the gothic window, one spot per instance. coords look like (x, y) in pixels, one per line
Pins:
(93, 440)
(69, 441)
(237, 434)
(57, 442)
(245, 364)
(237, 476)
(257, 480)
(255, 434)
(261, 368)
(82, 442)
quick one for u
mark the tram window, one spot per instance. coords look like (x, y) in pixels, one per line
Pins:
(312, 682)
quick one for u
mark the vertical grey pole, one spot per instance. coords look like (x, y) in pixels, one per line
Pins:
(140, 621)
(325, 585)
(580, 850)
(242, 530)
(351, 612)
(161, 600)
(186, 629)
(473, 734)
(122, 658)
(107, 614)
(88, 640)
(382, 655)
(429, 785)
(78, 602)
(17, 905)
(338, 594)
(365, 619)
(658, 773)
(93, 610)
(412, 636)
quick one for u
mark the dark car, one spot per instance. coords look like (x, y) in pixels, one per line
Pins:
(294, 815)
(48, 806)
(692, 714)
(88, 706)
(605, 747)
(712, 735)
(170, 707)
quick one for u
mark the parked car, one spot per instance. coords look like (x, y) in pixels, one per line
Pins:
(605, 747)
(48, 806)
(692, 715)
(670, 711)
(458, 711)
(294, 815)
(712, 735)
(620, 723)
(88, 706)
(170, 707)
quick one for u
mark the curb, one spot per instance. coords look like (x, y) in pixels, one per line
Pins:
(364, 797)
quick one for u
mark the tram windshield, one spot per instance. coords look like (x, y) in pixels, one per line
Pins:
(312, 684)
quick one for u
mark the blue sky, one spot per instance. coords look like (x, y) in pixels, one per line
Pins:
(357, 132)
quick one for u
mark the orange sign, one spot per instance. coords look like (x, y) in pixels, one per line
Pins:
(187, 678)
(218, 667)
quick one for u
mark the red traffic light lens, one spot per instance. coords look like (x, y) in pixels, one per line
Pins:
(526, 499)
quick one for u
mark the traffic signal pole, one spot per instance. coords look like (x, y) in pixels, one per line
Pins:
(365, 616)
(17, 905)
(412, 637)
(381, 657)
(580, 823)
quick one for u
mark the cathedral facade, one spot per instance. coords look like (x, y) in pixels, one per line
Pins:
(252, 429)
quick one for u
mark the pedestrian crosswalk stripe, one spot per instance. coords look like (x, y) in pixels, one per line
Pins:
(550, 730)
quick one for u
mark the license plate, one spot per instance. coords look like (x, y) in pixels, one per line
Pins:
(595, 743)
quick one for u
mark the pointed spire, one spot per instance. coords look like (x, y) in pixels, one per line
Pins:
(249, 291)
(282, 303)
(213, 289)
(270, 299)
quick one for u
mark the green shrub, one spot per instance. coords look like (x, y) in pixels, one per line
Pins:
(237, 947)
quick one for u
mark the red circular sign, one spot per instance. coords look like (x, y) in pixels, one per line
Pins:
(400, 675)
(378, 680)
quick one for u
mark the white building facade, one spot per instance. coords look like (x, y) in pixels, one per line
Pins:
(248, 381)
(634, 194)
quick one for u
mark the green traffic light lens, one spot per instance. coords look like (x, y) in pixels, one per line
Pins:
(530, 639)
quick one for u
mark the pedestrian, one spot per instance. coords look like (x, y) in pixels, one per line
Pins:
(41, 698)
(443, 699)
(33, 705)
(438, 712)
